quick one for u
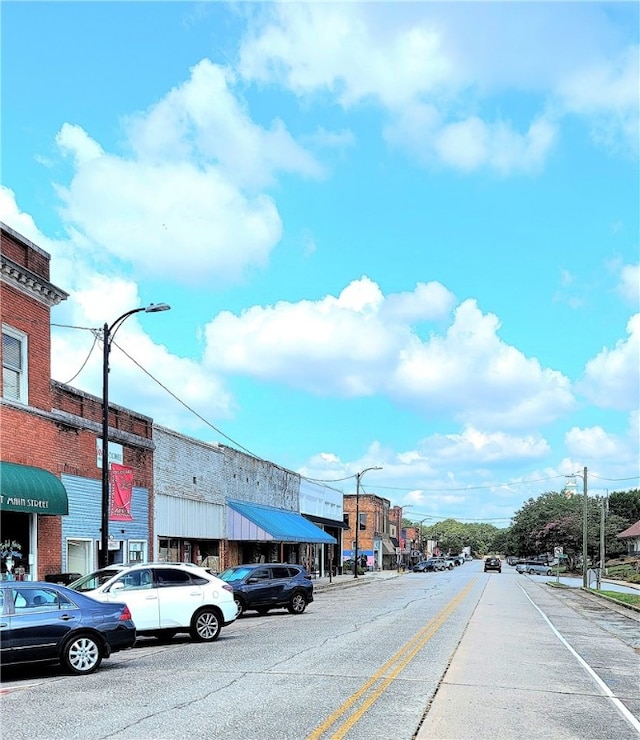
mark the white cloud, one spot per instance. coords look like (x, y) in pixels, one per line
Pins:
(612, 379)
(606, 93)
(363, 343)
(348, 50)
(186, 194)
(471, 144)
(434, 68)
(629, 287)
(479, 378)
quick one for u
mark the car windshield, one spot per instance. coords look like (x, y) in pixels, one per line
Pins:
(93, 580)
(234, 574)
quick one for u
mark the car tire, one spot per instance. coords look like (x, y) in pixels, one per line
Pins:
(241, 607)
(205, 625)
(82, 655)
(531, 572)
(297, 604)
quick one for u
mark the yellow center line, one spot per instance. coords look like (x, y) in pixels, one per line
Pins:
(404, 655)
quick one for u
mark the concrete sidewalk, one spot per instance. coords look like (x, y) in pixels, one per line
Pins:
(348, 580)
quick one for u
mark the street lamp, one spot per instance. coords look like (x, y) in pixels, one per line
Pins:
(108, 333)
(355, 552)
(585, 511)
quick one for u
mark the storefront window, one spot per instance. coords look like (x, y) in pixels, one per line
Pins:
(79, 556)
(137, 551)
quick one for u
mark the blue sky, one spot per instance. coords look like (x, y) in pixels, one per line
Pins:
(400, 235)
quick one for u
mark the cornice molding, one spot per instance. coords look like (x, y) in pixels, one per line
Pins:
(30, 284)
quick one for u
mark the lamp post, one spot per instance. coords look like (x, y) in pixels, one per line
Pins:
(108, 333)
(355, 550)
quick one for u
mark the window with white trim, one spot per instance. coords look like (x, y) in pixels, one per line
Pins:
(14, 365)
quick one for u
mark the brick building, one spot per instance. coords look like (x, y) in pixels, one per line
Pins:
(50, 490)
(375, 541)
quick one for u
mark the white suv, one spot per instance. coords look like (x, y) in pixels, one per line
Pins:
(165, 598)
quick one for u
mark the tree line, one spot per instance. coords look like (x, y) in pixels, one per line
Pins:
(544, 523)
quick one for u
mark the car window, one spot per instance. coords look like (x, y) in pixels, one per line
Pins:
(39, 599)
(230, 575)
(262, 574)
(93, 580)
(136, 580)
(280, 572)
(167, 577)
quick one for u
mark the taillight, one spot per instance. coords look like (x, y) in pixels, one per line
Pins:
(126, 614)
(228, 588)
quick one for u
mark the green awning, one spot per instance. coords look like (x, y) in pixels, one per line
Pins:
(34, 490)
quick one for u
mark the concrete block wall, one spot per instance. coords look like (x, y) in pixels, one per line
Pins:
(187, 467)
(260, 482)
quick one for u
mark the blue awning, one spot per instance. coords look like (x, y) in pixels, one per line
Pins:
(257, 522)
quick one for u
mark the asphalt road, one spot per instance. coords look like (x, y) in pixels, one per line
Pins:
(455, 654)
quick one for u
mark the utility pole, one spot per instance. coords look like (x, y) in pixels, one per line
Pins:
(585, 514)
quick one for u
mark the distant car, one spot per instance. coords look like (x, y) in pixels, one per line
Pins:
(534, 569)
(493, 564)
(46, 622)
(165, 598)
(449, 562)
(468, 558)
(431, 564)
(265, 586)
(459, 559)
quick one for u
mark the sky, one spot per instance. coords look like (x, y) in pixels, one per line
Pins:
(395, 235)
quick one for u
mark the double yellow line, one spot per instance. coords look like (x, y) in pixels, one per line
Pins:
(394, 665)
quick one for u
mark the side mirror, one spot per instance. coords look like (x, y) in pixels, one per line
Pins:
(117, 587)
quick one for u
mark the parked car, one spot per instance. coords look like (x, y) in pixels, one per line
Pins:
(165, 598)
(430, 564)
(449, 562)
(532, 569)
(45, 622)
(493, 564)
(265, 586)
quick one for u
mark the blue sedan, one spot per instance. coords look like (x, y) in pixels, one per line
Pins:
(43, 622)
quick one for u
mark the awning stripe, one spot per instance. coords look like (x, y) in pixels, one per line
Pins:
(33, 490)
(251, 522)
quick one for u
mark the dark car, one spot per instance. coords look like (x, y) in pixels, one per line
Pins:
(493, 564)
(264, 586)
(46, 622)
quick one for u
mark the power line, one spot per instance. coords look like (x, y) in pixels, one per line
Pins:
(186, 406)
(475, 488)
(95, 341)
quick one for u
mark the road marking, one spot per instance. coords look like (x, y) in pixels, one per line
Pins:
(401, 659)
(603, 686)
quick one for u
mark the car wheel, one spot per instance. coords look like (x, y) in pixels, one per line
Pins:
(262, 610)
(241, 607)
(549, 571)
(164, 635)
(297, 604)
(205, 625)
(82, 655)
(531, 572)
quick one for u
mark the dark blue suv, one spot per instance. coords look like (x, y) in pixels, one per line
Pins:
(265, 586)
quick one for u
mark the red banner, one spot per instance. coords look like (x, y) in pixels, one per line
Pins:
(121, 492)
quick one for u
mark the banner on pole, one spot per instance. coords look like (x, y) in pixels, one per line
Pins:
(121, 493)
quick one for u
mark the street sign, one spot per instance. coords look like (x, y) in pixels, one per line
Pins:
(558, 551)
